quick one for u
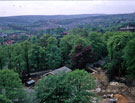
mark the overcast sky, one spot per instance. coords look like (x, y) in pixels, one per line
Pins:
(12, 8)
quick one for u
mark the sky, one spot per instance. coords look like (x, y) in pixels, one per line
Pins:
(14, 8)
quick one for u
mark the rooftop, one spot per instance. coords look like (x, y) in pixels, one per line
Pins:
(62, 69)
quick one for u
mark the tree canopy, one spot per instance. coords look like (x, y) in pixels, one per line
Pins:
(73, 87)
(11, 86)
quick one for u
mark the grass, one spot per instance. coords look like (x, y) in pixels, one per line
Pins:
(11, 31)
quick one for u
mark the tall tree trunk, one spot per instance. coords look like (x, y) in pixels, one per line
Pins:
(38, 62)
(27, 64)
(1, 66)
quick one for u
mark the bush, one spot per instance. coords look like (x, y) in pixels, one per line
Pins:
(10, 85)
(3, 99)
(73, 87)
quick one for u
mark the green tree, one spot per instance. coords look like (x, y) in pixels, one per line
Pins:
(81, 41)
(129, 57)
(82, 84)
(52, 41)
(37, 57)
(107, 35)
(26, 47)
(66, 45)
(18, 62)
(97, 44)
(53, 57)
(2, 58)
(59, 30)
(115, 46)
(3, 99)
(43, 40)
(8, 50)
(77, 31)
(11, 86)
(74, 87)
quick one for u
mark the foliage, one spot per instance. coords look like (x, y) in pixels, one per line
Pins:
(43, 40)
(26, 46)
(51, 41)
(37, 57)
(81, 56)
(77, 31)
(129, 57)
(53, 57)
(9, 56)
(3, 99)
(18, 62)
(10, 85)
(115, 46)
(66, 45)
(97, 44)
(83, 84)
(74, 87)
(107, 35)
(2, 58)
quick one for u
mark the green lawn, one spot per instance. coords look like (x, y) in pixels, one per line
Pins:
(11, 31)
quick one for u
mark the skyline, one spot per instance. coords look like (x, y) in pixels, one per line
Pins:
(18, 8)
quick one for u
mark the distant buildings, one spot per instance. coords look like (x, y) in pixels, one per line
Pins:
(8, 42)
(3, 35)
(64, 33)
(128, 28)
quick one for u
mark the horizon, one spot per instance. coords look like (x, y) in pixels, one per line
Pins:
(56, 15)
(68, 14)
(24, 8)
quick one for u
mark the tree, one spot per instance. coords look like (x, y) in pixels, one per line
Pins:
(43, 40)
(74, 87)
(81, 56)
(66, 45)
(107, 35)
(2, 58)
(77, 31)
(53, 57)
(37, 57)
(59, 30)
(80, 41)
(97, 44)
(115, 46)
(3, 99)
(53, 54)
(9, 56)
(81, 83)
(129, 57)
(10, 85)
(26, 51)
(18, 62)
(52, 41)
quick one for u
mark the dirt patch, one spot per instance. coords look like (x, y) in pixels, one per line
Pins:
(121, 99)
(105, 101)
(124, 93)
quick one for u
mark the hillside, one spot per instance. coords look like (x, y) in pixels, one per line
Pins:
(104, 22)
(34, 18)
(100, 22)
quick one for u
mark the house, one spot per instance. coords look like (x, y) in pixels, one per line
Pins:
(58, 71)
(64, 33)
(9, 42)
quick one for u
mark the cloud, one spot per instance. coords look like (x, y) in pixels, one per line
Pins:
(11, 8)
